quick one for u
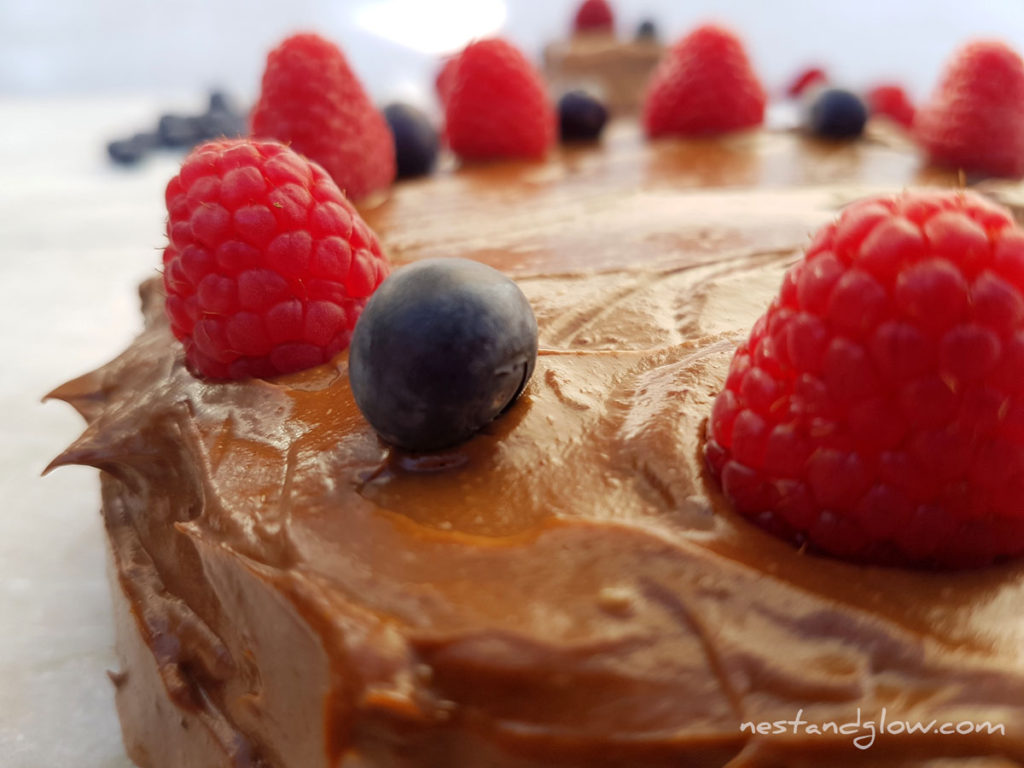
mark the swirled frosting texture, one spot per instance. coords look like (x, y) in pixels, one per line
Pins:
(566, 588)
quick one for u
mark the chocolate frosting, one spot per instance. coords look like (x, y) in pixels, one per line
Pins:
(567, 587)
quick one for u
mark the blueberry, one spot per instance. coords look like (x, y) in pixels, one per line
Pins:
(217, 123)
(220, 102)
(130, 151)
(581, 117)
(647, 31)
(175, 130)
(442, 348)
(125, 151)
(416, 141)
(222, 118)
(836, 113)
(179, 130)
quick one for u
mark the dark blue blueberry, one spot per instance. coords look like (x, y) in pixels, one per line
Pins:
(222, 118)
(581, 117)
(217, 123)
(180, 130)
(416, 141)
(647, 31)
(835, 113)
(125, 151)
(442, 348)
(131, 151)
(220, 102)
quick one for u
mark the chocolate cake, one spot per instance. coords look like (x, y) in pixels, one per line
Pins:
(615, 70)
(566, 588)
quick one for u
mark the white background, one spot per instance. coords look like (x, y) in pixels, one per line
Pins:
(90, 46)
(77, 235)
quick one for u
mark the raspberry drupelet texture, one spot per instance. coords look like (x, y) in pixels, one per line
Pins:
(498, 105)
(975, 119)
(876, 412)
(268, 266)
(311, 100)
(704, 85)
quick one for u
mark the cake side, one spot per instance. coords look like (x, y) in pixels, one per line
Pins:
(565, 588)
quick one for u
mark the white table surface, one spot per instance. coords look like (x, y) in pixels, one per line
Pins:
(77, 235)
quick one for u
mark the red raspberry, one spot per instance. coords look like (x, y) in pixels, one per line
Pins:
(975, 119)
(446, 79)
(498, 105)
(893, 102)
(594, 16)
(876, 412)
(704, 85)
(313, 102)
(268, 265)
(807, 78)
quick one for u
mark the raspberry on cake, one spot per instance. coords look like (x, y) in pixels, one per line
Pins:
(876, 411)
(498, 105)
(594, 16)
(975, 119)
(891, 101)
(268, 265)
(312, 101)
(704, 85)
(806, 79)
(445, 78)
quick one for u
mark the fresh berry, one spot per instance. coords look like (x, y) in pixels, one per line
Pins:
(581, 117)
(221, 118)
(131, 151)
(443, 347)
(498, 105)
(446, 79)
(268, 265)
(876, 412)
(975, 120)
(703, 85)
(415, 137)
(312, 101)
(808, 78)
(647, 31)
(594, 16)
(835, 113)
(216, 125)
(220, 101)
(892, 102)
(179, 130)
